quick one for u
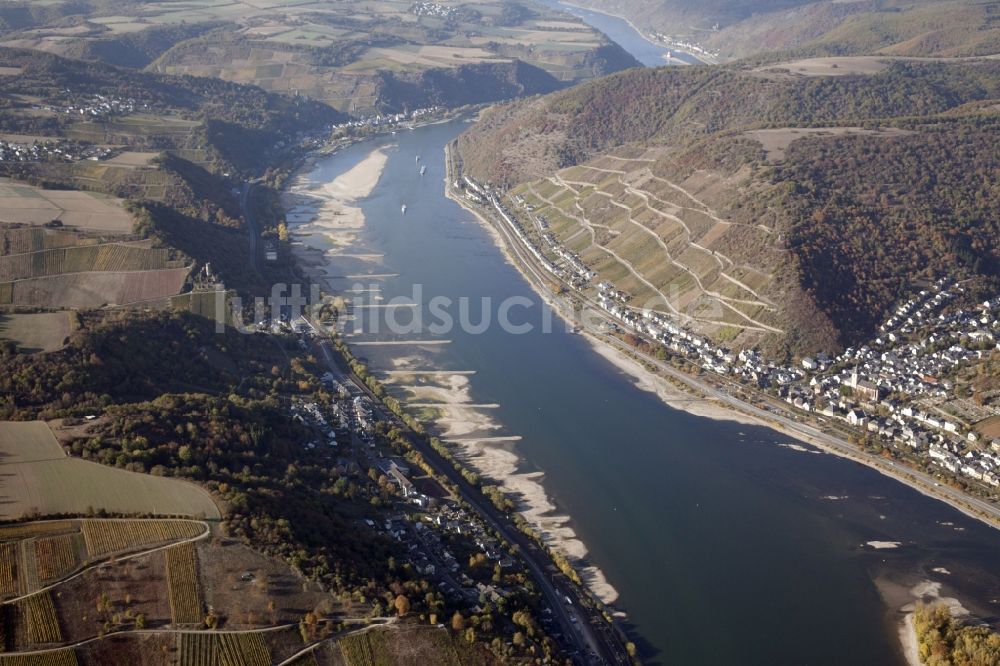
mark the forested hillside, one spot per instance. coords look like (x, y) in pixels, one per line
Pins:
(867, 181)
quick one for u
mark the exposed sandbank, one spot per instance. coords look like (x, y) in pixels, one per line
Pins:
(333, 212)
(456, 417)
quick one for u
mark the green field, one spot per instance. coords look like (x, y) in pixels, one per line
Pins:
(37, 332)
(37, 477)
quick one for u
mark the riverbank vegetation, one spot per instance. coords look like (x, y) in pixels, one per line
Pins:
(946, 641)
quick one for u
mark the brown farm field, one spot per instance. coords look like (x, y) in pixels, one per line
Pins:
(272, 593)
(38, 478)
(94, 289)
(32, 205)
(775, 141)
(36, 332)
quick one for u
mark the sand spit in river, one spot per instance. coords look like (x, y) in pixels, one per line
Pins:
(330, 211)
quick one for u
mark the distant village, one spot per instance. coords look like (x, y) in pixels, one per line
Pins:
(56, 150)
(97, 106)
(891, 389)
(684, 45)
(389, 119)
(432, 9)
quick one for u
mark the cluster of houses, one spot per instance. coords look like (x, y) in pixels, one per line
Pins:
(98, 106)
(660, 328)
(52, 151)
(879, 388)
(388, 119)
(426, 541)
(891, 386)
(432, 9)
(577, 273)
(683, 45)
(888, 389)
(310, 414)
(435, 527)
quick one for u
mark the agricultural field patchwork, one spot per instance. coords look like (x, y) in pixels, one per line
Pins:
(109, 257)
(18, 240)
(36, 554)
(96, 289)
(334, 52)
(62, 268)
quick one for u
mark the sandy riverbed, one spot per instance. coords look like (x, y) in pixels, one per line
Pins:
(334, 212)
(457, 418)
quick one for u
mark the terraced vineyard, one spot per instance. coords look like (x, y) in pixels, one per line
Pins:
(59, 555)
(182, 584)
(366, 648)
(104, 258)
(56, 658)
(43, 528)
(8, 569)
(658, 240)
(34, 239)
(104, 537)
(222, 649)
(34, 620)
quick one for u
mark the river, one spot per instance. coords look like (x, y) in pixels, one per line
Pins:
(727, 543)
(625, 35)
